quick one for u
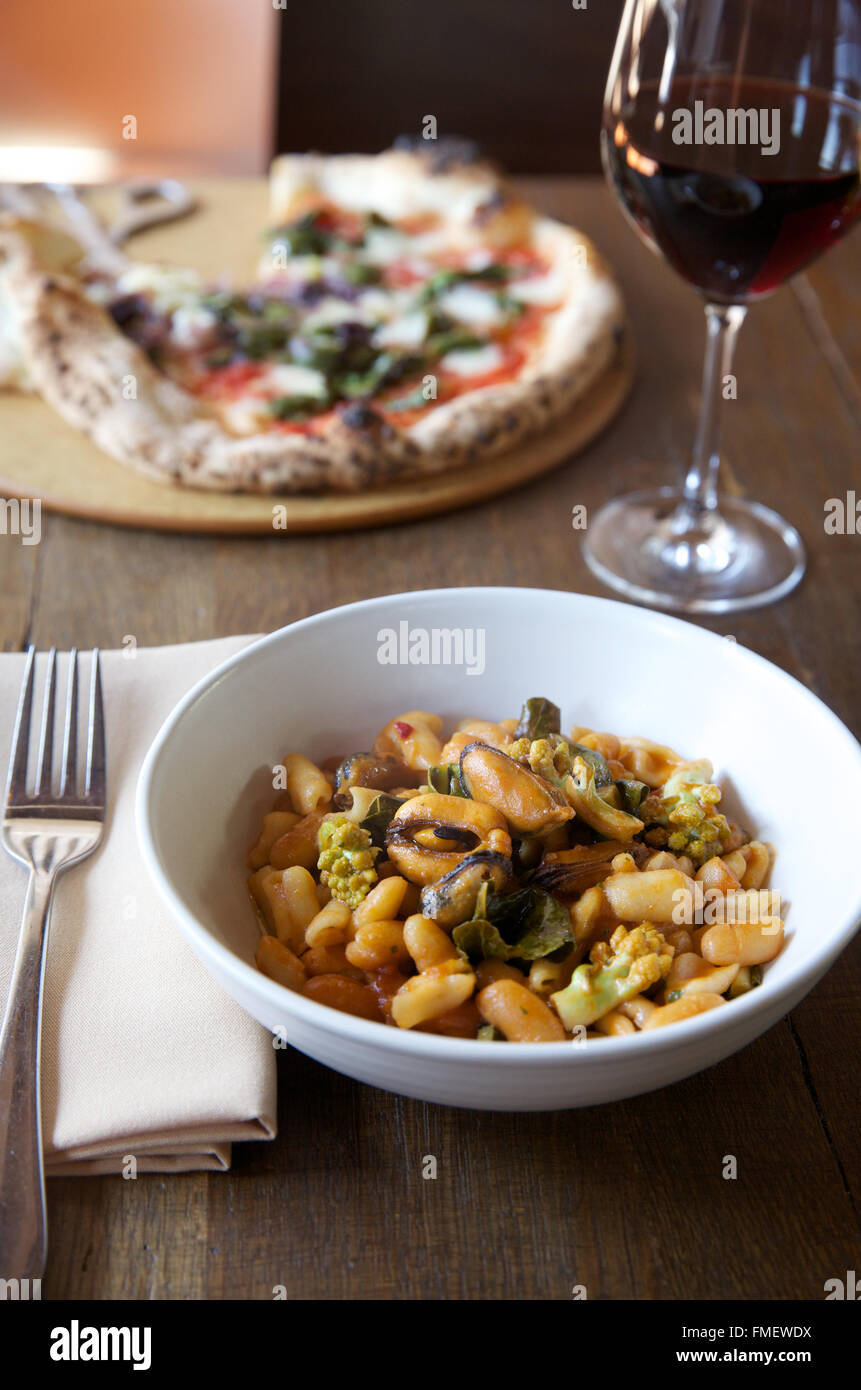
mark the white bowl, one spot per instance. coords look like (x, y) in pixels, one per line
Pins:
(317, 687)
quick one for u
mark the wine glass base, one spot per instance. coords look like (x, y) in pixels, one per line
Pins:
(648, 548)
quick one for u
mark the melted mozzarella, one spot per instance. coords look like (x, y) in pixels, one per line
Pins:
(540, 289)
(334, 310)
(473, 306)
(473, 361)
(384, 244)
(289, 379)
(479, 259)
(381, 304)
(408, 331)
(170, 288)
(192, 326)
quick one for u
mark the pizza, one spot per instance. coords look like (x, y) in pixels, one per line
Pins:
(409, 315)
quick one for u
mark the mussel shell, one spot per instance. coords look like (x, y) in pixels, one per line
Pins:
(586, 866)
(372, 770)
(452, 899)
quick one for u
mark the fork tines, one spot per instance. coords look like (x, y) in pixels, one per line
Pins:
(44, 796)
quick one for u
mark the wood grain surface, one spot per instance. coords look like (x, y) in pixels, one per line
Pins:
(627, 1199)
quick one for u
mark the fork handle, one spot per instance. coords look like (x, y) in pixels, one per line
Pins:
(23, 1230)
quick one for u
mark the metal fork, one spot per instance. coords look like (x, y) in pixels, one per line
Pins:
(48, 830)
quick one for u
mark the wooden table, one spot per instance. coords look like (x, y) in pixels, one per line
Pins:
(628, 1199)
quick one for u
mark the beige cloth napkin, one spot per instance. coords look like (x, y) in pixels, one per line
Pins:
(143, 1054)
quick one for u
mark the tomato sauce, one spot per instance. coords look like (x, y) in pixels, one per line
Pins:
(224, 383)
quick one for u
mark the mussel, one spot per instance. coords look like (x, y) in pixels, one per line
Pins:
(529, 803)
(372, 770)
(451, 900)
(430, 835)
(571, 871)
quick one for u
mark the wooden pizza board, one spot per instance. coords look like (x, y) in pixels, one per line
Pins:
(41, 456)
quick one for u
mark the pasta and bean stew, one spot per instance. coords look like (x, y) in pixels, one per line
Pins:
(510, 883)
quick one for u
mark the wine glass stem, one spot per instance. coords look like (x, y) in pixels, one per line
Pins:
(701, 481)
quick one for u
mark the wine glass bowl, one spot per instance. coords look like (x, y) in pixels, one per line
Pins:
(731, 139)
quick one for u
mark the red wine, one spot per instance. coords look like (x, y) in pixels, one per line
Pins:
(733, 219)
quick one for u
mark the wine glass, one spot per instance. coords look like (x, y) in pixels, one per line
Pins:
(731, 138)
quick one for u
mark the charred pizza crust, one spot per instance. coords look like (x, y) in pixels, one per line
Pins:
(103, 383)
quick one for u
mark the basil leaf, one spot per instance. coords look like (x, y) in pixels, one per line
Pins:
(451, 340)
(296, 407)
(388, 368)
(538, 718)
(446, 279)
(481, 940)
(526, 925)
(358, 273)
(275, 309)
(511, 306)
(379, 817)
(304, 237)
(532, 919)
(259, 339)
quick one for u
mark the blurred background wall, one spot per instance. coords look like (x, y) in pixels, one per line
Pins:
(215, 86)
(198, 76)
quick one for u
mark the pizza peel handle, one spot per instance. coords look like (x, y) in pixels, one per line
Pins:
(143, 203)
(147, 203)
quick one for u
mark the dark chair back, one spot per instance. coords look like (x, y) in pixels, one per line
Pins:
(522, 78)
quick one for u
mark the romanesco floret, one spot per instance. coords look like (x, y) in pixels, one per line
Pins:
(346, 860)
(683, 815)
(630, 962)
(550, 757)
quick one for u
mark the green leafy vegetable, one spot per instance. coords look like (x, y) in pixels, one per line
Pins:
(295, 407)
(525, 925)
(581, 789)
(533, 919)
(380, 813)
(538, 719)
(632, 793)
(481, 940)
(386, 369)
(450, 340)
(446, 779)
(330, 351)
(304, 237)
(446, 279)
(358, 273)
(594, 760)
